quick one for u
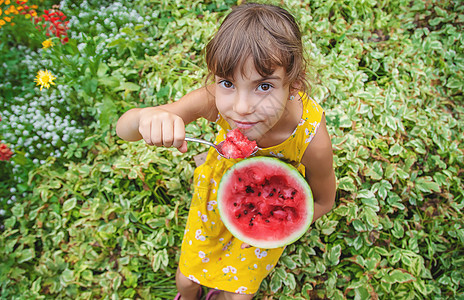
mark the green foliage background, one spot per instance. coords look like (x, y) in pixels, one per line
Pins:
(89, 216)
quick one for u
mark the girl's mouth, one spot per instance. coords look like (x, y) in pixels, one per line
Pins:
(244, 125)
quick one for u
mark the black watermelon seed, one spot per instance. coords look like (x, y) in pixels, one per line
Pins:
(245, 211)
(251, 224)
(259, 194)
(271, 194)
(239, 215)
(249, 189)
(235, 203)
(267, 221)
(294, 192)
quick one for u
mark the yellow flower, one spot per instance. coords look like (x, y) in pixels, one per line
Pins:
(47, 44)
(44, 79)
(8, 19)
(2, 22)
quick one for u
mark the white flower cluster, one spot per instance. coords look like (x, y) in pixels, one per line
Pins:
(104, 22)
(39, 123)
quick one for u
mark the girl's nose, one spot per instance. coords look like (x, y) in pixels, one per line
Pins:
(242, 104)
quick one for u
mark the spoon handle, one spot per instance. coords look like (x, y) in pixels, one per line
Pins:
(192, 139)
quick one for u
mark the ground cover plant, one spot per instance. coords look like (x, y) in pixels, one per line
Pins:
(84, 215)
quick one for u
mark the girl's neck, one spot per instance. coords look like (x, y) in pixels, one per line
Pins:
(285, 126)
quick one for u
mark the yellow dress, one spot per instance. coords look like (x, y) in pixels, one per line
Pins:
(210, 254)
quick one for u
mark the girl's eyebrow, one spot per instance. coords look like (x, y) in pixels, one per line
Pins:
(270, 77)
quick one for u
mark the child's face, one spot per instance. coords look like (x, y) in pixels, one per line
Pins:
(252, 103)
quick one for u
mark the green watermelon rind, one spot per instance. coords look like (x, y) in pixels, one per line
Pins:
(292, 171)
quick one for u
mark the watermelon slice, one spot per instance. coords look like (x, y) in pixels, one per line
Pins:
(237, 145)
(265, 202)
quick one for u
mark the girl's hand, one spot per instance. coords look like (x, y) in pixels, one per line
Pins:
(160, 127)
(245, 245)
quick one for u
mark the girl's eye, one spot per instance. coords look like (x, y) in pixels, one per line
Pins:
(226, 83)
(264, 87)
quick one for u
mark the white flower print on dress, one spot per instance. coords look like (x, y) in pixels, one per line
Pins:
(313, 133)
(198, 235)
(229, 269)
(210, 205)
(269, 267)
(226, 246)
(260, 254)
(204, 218)
(241, 290)
(276, 154)
(202, 255)
(192, 278)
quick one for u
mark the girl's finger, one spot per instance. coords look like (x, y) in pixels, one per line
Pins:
(179, 134)
(245, 245)
(183, 148)
(156, 136)
(167, 132)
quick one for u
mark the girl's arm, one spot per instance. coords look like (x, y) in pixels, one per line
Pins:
(320, 174)
(165, 125)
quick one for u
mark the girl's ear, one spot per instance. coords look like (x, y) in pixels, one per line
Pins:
(295, 87)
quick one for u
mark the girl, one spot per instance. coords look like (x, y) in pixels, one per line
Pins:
(258, 70)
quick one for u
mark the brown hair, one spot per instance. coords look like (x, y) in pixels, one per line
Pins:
(268, 34)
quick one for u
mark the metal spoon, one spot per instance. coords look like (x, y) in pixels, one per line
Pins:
(217, 147)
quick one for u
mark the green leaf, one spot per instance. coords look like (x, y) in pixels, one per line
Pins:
(69, 204)
(18, 210)
(398, 276)
(288, 262)
(109, 81)
(159, 260)
(128, 86)
(347, 183)
(427, 185)
(396, 149)
(375, 171)
(108, 111)
(276, 283)
(370, 216)
(333, 255)
(398, 230)
(26, 255)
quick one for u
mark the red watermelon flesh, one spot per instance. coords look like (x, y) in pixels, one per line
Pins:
(237, 145)
(265, 202)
